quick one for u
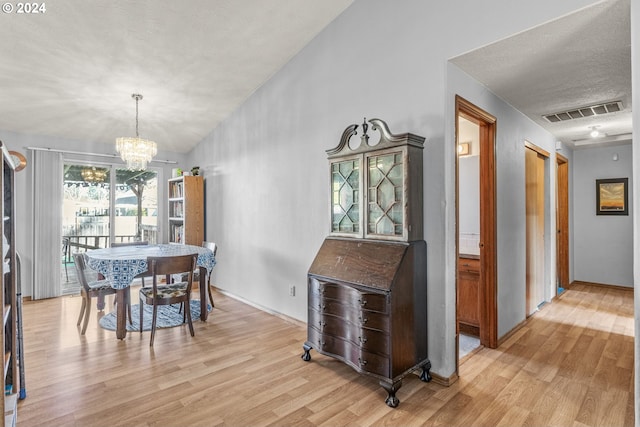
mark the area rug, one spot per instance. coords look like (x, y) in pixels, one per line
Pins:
(168, 317)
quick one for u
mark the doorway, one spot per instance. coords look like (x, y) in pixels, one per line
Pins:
(562, 223)
(103, 203)
(535, 184)
(476, 289)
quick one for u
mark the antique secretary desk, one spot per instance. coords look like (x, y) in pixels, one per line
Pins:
(367, 286)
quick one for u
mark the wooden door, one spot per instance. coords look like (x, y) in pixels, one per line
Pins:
(487, 288)
(562, 221)
(534, 178)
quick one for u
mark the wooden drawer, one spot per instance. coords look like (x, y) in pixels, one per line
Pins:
(365, 338)
(354, 315)
(349, 296)
(350, 353)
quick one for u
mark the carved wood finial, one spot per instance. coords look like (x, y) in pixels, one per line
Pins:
(364, 138)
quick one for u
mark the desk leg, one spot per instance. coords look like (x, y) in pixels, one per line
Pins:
(204, 294)
(121, 313)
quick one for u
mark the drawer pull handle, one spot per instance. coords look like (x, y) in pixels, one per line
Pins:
(363, 320)
(362, 302)
(465, 265)
(362, 340)
(322, 324)
(321, 307)
(362, 361)
(321, 343)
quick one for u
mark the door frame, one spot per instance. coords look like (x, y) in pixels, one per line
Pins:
(545, 156)
(487, 288)
(562, 222)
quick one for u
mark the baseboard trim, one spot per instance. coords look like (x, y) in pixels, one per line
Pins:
(444, 381)
(515, 329)
(601, 285)
(262, 308)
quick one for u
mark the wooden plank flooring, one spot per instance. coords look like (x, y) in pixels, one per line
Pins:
(570, 365)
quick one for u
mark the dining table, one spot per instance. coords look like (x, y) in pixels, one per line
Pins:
(120, 265)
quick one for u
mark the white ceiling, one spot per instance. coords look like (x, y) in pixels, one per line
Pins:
(578, 60)
(70, 72)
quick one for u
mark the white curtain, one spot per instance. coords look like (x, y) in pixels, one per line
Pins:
(47, 226)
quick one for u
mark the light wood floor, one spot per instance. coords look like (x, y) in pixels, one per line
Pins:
(570, 365)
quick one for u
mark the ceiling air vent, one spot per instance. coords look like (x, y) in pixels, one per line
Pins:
(578, 113)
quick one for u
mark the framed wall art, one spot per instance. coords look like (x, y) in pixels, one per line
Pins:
(612, 196)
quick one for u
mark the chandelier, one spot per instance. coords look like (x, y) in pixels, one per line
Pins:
(93, 175)
(136, 152)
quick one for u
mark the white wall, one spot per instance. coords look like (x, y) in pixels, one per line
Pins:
(603, 244)
(266, 168)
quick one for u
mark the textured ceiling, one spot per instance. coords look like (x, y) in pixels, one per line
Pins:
(581, 59)
(70, 72)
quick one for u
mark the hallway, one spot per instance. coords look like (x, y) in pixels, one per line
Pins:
(570, 364)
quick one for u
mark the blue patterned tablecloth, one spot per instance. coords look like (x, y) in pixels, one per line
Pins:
(121, 264)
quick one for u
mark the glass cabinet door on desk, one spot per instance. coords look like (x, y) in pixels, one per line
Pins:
(385, 194)
(345, 194)
(372, 185)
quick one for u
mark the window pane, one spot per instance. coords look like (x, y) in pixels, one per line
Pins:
(136, 207)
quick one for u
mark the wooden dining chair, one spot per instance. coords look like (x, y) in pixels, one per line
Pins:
(90, 289)
(170, 293)
(214, 248)
(66, 255)
(196, 277)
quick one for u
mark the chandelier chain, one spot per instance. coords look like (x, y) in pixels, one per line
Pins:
(137, 97)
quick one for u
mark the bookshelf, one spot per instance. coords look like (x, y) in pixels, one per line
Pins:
(186, 210)
(10, 379)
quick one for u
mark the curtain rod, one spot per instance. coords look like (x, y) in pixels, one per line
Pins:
(81, 153)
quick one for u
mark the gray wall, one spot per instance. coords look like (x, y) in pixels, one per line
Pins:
(603, 245)
(266, 167)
